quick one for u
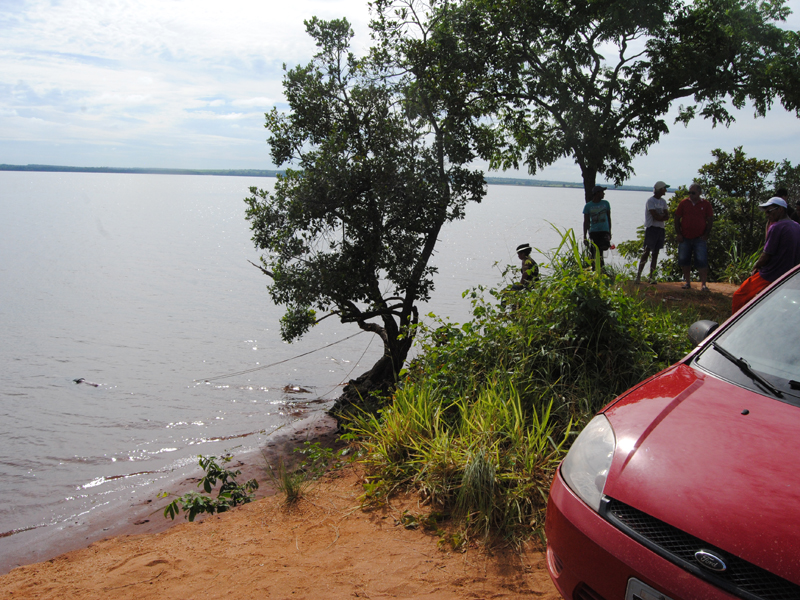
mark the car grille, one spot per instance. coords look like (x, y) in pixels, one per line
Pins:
(741, 578)
(584, 592)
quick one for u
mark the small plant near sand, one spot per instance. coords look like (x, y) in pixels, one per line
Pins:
(293, 483)
(230, 493)
(428, 522)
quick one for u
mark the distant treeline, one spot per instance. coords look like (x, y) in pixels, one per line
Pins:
(220, 172)
(560, 184)
(270, 173)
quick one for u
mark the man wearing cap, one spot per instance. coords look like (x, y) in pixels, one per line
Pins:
(693, 220)
(597, 223)
(530, 270)
(781, 252)
(656, 214)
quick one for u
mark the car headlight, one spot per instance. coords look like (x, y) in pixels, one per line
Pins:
(585, 468)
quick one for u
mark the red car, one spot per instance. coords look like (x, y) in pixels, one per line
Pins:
(688, 485)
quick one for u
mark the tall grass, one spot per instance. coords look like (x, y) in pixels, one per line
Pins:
(485, 460)
(488, 408)
(740, 266)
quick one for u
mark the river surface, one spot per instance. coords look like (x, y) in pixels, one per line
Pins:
(141, 284)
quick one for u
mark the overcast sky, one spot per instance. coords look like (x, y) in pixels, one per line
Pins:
(186, 83)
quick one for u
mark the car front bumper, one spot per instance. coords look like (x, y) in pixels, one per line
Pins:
(590, 559)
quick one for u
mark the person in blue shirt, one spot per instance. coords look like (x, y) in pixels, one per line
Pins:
(597, 223)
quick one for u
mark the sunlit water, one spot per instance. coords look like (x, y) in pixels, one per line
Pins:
(141, 283)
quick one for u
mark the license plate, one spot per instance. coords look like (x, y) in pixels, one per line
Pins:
(641, 591)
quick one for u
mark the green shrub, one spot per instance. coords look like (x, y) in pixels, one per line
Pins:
(740, 266)
(229, 495)
(486, 410)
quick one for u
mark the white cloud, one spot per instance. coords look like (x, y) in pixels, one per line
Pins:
(150, 76)
(265, 102)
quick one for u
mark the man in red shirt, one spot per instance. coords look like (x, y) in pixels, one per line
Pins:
(693, 220)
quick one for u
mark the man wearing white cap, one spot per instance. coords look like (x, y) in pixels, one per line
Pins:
(655, 218)
(781, 252)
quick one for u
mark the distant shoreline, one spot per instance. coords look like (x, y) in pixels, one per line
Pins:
(275, 173)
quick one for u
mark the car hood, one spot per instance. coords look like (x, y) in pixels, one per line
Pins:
(688, 455)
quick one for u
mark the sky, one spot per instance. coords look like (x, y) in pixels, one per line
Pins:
(186, 83)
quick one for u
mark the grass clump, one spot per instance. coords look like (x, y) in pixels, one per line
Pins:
(294, 482)
(489, 407)
(483, 460)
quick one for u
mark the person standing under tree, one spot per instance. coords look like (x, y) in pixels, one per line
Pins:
(597, 224)
(693, 220)
(656, 214)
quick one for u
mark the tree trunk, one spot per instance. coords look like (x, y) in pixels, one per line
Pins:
(589, 181)
(368, 392)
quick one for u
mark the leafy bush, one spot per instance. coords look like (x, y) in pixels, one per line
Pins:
(230, 493)
(486, 411)
(577, 339)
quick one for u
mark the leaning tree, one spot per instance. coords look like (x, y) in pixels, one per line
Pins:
(594, 79)
(376, 165)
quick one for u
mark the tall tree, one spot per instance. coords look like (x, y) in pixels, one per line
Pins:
(378, 169)
(593, 79)
(787, 176)
(736, 185)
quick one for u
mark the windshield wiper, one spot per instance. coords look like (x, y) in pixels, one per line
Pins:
(745, 368)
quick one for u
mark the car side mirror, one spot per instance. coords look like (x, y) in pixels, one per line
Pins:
(700, 330)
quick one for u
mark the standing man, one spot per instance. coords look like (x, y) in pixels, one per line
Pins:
(781, 252)
(597, 223)
(656, 214)
(693, 220)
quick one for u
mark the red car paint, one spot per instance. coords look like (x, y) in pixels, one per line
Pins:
(594, 553)
(709, 457)
(688, 456)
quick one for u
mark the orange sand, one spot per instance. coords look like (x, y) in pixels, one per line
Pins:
(324, 547)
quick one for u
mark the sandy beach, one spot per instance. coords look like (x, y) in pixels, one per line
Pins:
(145, 516)
(325, 546)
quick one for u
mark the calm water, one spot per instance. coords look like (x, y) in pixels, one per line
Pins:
(141, 283)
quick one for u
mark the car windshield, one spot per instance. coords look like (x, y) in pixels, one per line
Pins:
(766, 339)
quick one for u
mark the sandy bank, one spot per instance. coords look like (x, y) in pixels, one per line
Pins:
(145, 515)
(325, 547)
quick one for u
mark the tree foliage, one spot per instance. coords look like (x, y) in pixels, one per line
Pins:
(788, 177)
(593, 79)
(376, 169)
(736, 185)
